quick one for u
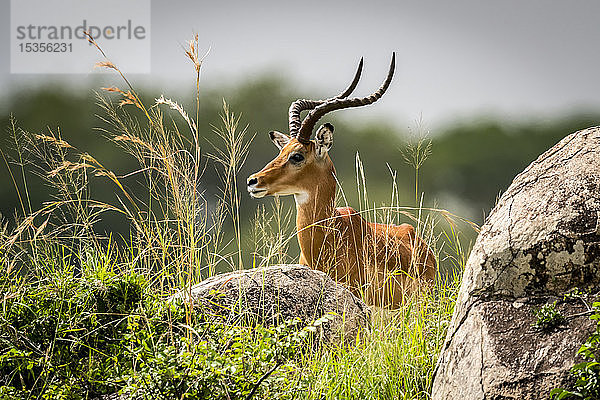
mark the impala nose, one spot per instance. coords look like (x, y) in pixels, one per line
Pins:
(252, 181)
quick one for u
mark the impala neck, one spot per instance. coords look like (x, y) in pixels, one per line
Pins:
(314, 208)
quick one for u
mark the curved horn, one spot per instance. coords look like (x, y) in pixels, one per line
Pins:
(337, 104)
(354, 83)
(302, 104)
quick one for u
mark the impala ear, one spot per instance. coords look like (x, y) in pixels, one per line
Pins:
(323, 139)
(279, 139)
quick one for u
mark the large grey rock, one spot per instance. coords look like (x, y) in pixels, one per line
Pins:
(274, 294)
(541, 239)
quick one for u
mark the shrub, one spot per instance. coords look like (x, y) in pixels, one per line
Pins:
(79, 337)
(548, 317)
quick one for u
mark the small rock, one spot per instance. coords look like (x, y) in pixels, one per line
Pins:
(272, 295)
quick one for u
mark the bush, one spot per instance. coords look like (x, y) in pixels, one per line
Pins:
(81, 336)
(64, 333)
(548, 317)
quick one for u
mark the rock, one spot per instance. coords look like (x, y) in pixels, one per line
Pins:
(274, 294)
(541, 240)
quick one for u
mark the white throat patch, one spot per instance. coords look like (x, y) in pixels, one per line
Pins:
(301, 198)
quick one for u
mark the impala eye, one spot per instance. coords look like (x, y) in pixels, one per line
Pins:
(297, 158)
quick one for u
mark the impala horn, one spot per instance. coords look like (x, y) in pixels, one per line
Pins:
(321, 107)
(303, 104)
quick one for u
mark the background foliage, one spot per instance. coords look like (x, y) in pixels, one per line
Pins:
(470, 164)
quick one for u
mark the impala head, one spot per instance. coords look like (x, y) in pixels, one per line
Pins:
(296, 167)
(302, 162)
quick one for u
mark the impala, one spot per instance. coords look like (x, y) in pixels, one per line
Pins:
(382, 261)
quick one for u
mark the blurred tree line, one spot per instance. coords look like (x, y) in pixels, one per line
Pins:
(471, 162)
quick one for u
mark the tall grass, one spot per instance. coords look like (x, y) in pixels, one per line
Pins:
(394, 361)
(83, 313)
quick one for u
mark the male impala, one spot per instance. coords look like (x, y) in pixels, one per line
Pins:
(382, 261)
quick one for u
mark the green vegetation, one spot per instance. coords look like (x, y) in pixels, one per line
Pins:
(74, 335)
(548, 317)
(93, 245)
(85, 302)
(586, 373)
(395, 361)
(471, 161)
(79, 335)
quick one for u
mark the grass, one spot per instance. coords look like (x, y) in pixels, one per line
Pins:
(394, 361)
(85, 313)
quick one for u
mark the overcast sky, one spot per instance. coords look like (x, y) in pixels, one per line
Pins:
(509, 58)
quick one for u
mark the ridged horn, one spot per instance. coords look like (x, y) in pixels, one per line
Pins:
(303, 104)
(316, 113)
